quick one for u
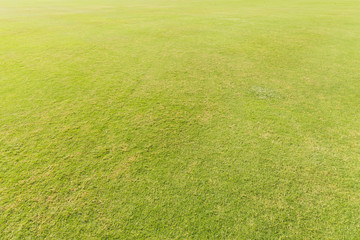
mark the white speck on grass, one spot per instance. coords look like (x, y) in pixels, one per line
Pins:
(264, 93)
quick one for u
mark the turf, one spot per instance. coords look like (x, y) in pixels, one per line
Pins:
(182, 119)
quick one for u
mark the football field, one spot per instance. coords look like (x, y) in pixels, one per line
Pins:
(180, 119)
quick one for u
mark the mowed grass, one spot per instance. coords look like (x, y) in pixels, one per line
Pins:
(159, 119)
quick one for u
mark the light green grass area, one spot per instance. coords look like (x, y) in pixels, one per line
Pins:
(180, 119)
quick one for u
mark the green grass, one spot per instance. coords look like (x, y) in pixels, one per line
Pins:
(180, 119)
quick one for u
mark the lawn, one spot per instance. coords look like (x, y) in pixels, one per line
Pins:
(180, 119)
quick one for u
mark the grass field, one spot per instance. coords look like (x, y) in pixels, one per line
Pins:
(180, 119)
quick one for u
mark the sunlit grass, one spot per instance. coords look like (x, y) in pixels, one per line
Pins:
(179, 119)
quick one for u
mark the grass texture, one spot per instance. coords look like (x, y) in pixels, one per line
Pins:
(180, 119)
